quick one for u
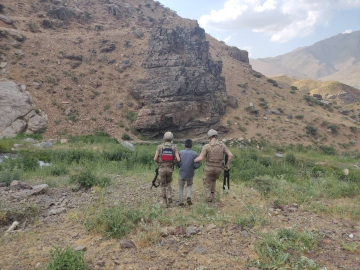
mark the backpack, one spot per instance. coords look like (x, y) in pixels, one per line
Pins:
(167, 153)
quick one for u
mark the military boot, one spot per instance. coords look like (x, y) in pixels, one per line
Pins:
(164, 202)
(188, 200)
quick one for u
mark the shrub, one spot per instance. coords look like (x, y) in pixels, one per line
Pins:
(87, 179)
(59, 170)
(257, 75)
(66, 258)
(2, 7)
(97, 137)
(300, 116)
(263, 184)
(243, 129)
(290, 158)
(252, 110)
(328, 150)
(311, 130)
(132, 116)
(7, 176)
(334, 129)
(352, 129)
(294, 87)
(125, 137)
(271, 81)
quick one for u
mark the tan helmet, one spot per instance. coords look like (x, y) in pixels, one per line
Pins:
(168, 136)
(212, 132)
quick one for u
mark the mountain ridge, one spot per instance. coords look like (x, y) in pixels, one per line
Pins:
(333, 58)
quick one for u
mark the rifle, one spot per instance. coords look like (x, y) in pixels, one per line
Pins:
(154, 181)
(226, 175)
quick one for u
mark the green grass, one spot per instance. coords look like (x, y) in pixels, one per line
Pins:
(66, 258)
(116, 222)
(286, 249)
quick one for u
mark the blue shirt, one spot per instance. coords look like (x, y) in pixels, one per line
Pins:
(187, 163)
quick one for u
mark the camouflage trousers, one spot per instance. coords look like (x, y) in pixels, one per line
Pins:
(211, 174)
(165, 174)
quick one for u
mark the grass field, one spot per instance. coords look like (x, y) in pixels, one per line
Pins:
(325, 184)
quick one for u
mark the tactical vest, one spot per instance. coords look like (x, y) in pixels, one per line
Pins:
(215, 155)
(167, 154)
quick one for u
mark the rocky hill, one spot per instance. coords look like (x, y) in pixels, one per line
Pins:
(335, 58)
(136, 67)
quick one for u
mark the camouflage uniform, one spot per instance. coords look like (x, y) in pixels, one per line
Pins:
(166, 169)
(214, 154)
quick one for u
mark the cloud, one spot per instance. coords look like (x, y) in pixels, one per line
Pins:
(348, 31)
(282, 20)
(227, 39)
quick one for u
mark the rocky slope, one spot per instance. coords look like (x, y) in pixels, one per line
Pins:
(335, 58)
(124, 67)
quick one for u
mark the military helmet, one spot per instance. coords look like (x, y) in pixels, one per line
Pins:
(212, 132)
(168, 136)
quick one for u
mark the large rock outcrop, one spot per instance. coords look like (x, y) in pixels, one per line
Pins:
(17, 112)
(184, 92)
(240, 55)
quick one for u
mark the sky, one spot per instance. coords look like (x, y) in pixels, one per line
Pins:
(267, 28)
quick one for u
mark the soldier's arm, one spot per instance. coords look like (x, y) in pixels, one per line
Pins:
(156, 155)
(230, 157)
(177, 155)
(202, 155)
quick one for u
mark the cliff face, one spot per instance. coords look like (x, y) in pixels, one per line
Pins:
(184, 89)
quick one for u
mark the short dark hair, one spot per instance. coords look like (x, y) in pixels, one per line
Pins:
(188, 143)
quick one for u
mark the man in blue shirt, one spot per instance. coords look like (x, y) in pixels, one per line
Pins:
(186, 172)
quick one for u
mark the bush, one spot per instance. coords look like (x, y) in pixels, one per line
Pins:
(7, 176)
(300, 116)
(290, 158)
(2, 7)
(257, 75)
(97, 137)
(59, 170)
(87, 179)
(245, 222)
(311, 130)
(263, 184)
(271, 81)
(125, 137)
(352, 129)
(334, 129)
(132, 116)
(66, 258)
(294, 87)
(328, 150)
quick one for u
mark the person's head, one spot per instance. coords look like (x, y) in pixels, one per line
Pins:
(188, 143)
(212, 134)
(168, 136)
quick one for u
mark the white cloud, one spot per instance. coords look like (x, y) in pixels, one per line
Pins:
(227, 39)
(282, 20)
(348, 31)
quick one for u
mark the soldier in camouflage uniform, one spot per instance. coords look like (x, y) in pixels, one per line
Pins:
(165, 157)
(214, 154)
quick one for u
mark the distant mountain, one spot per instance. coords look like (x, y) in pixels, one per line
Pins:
(335, 58)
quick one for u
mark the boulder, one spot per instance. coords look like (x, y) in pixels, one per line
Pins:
(56, 211)
(13, 33)
(14, 105)
(183, 84)
(29, 140)
(126, 243)
(3, 64)
(43, 145)
(37, 123)
(128, 146)
(233, 102)
(64, 14)
(18, 185)
(5, 19)
(317, 96)
(80, 248)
